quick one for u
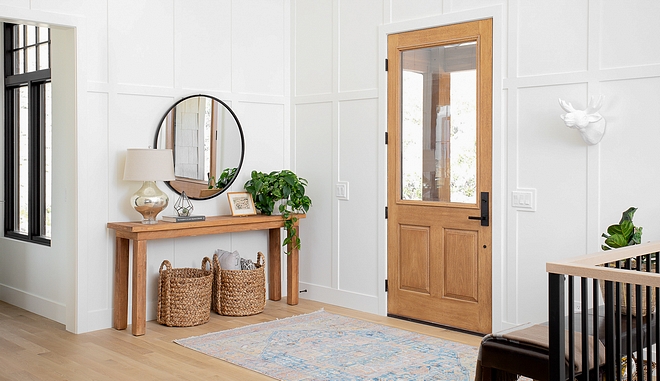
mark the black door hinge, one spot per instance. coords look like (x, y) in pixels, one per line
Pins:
(386, 64)
(386, 137)
(386, 212)
(387, 286)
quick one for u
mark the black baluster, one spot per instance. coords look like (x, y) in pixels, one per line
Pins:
(571, 328)
(647, 318)
(639, 323)
(557, 355)
(629, 366)
(657, 321)
(584, 296)
(594, 307)
(617, 324)
(610, 347)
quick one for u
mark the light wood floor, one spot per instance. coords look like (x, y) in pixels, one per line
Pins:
(35, 348)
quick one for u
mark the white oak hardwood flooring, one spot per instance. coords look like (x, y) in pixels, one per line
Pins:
(35, 348)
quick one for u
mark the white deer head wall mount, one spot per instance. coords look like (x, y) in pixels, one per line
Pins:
(589, 123)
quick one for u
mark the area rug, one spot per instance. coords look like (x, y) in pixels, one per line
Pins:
(326, 346)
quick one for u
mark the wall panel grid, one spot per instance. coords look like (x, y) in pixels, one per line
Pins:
(596, 48)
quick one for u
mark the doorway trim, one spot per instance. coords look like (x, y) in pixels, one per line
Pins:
(499, 161)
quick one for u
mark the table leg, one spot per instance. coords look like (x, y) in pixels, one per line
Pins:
(274, 264)
(139, 287)
(120, 294)
(292, 282)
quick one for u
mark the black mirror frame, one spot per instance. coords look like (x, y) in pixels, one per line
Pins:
(240, 131)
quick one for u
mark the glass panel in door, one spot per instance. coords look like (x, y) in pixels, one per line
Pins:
(439, 124)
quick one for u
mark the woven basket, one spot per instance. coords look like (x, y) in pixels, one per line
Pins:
(633, 297)
(184, 295)
(239, 292)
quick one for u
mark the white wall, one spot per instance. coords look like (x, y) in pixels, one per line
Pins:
(134, 59)
(598, 48)
(338, 138)
(35, 277)
(306, 79)
(542, 51)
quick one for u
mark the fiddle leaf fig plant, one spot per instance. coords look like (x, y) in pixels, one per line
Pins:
(285, 186)
(625, 233)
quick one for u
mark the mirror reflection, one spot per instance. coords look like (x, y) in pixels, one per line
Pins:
(208, 145)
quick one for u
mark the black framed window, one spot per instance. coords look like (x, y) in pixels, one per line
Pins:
(28, 159)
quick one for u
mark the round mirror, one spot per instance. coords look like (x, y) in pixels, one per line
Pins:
(208, 145)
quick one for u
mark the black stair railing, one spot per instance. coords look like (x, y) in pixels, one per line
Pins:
(615, 325)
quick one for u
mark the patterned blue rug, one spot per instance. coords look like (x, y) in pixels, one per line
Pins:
(325, 346)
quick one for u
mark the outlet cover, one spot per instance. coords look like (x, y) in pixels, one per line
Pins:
(341, 190)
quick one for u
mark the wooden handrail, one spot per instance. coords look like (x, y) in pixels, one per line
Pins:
(591, 265)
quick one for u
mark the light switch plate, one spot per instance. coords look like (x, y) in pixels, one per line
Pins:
(524, 199)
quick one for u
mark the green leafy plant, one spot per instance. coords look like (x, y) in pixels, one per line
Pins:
(625, 233)
(268, 188)
(223, 180)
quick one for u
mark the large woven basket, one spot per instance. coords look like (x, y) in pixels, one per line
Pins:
(239, 292)
(184, 295)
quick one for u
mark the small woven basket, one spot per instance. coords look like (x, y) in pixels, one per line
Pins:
(239, 292)
(633, 295)
(184, 295)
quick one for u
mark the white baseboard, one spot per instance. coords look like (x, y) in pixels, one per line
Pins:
(367, 303)
(507, 325)
(33, 303)
(342, 298)
(95, 320)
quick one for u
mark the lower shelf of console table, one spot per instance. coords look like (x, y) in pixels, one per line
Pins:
(139, 234)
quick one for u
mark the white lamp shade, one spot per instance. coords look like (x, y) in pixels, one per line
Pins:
(149, 165)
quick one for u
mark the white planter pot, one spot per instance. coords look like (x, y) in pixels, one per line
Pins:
(276, 208)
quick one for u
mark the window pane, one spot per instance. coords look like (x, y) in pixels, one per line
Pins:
(411, 135)
(31, 37)
(21, 99)
(207, 134)
(44, 56)
(18, 36)
(43, 34)
(438, 131)
(18, 62)
(31, 58)
(29, 121)
(463, 140)
(48, 159)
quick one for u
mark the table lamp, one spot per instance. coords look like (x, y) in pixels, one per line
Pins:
(149, 165)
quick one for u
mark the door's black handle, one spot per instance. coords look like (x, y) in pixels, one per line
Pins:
(485, 214)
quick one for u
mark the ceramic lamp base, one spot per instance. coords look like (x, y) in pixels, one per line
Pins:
(149, 201)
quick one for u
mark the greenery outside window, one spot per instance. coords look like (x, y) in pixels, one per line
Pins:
(28, 159)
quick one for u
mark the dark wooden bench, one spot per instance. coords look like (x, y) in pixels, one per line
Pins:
(502, 358)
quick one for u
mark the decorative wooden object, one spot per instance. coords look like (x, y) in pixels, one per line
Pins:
(140, 233)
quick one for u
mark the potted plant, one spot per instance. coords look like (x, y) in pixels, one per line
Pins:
(625, 233)
(223, 180)
(285, 187)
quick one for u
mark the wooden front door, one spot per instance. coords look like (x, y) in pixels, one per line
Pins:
(439, 175)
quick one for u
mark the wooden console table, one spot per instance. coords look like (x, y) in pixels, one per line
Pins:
(140, 233)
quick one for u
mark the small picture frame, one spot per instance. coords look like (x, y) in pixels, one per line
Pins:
(241, 204)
